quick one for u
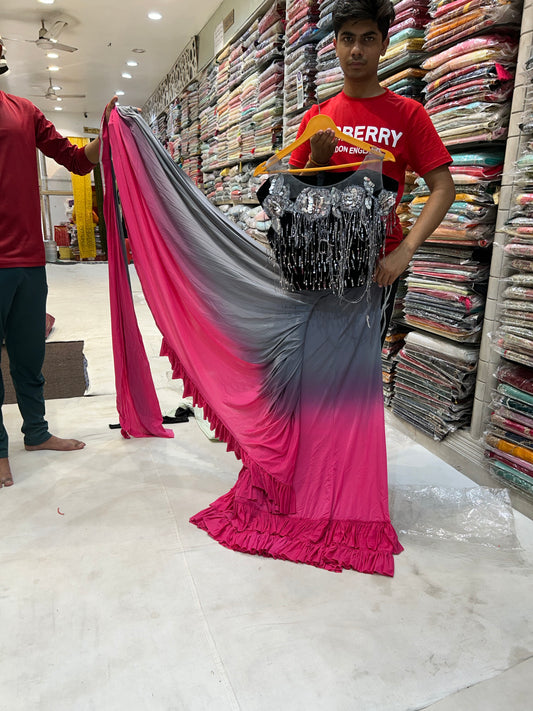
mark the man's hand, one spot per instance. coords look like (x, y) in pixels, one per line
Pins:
(393, 265)
(110, 107)
(323, 145)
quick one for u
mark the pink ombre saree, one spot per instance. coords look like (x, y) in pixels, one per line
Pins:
(291, 381)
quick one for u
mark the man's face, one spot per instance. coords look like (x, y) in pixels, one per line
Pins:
(359, 45)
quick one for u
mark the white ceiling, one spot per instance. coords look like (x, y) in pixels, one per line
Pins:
(105, 32)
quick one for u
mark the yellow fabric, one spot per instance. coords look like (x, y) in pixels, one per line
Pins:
(83, 205)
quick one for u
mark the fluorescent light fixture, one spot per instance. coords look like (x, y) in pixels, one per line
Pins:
(46, 2)
(155, 15)
(53, 68)
(132, 63)
(125, 75)
(52, 55)
(119, 92)
(58, 108)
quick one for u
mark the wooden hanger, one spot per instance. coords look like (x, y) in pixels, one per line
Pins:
(321, 122)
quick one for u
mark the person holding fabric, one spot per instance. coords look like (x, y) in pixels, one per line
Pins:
(365, 110)
(23, 288)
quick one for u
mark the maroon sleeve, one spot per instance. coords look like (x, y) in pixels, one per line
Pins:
(426, 151)
(55, 146)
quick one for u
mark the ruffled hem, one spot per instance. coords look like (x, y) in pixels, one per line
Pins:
(281, 495)
(365, 546)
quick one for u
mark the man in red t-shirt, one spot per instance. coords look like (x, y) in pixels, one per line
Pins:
(23, 288)
(365, 110)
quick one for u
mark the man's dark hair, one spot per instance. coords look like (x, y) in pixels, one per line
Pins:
(379, 11)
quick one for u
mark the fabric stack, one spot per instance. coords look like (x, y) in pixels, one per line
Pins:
(514, 339)
(234, 125)
(223, 92)
(470, 71)
(394, 342)
(329, 78)
(446, 292)
(399, 70)
(302, 34)
(250, 39)
(235, 65)
(208, 115)
(509, 436)
(434, 384)
(249, 98)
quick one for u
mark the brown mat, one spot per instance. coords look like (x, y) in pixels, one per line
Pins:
(63, 370)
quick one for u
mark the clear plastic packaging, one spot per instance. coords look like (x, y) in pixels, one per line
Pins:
(479, 516)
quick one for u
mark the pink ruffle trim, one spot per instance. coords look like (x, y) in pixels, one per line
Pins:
(366, 546)
(280, 494)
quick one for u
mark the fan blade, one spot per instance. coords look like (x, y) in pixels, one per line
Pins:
(56, 29)
(72, 96)
(63, 47)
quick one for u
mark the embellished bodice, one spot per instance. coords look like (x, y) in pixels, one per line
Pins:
(328, 236)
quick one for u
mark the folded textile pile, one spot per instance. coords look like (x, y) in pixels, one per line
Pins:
(399, 70)
(329, 78)
(469, 86)
(514, 338)
(394, 341)
(269, 61)
(509, 436)
(449, 273)
(455, 20)
(434, 384)
(302, 34)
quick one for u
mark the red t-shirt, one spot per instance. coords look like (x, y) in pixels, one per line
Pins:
(390, 121)
(23, 128)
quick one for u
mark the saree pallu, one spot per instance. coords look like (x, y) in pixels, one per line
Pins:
(291, 381)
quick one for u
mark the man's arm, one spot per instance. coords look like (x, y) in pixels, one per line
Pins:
(92, 149)
(442, 195)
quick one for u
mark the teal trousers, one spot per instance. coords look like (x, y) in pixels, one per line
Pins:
(23, 292)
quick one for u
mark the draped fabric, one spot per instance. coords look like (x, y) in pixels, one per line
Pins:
(289, 380)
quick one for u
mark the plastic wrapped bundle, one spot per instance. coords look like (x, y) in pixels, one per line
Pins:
(454, 21)
(434, 384)
(509, 435)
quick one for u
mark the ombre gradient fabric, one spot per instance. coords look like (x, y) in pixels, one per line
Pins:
(291, 381)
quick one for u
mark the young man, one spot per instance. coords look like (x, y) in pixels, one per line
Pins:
(365, 110)
(23, 288)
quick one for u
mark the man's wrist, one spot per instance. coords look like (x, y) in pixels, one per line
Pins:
(315, 164)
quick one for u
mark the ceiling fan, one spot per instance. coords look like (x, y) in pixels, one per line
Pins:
(51, 94)
(47, 39)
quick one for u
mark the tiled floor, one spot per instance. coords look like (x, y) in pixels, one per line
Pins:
(111, 600)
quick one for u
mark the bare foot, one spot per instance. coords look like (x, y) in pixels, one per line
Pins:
(57, 444)
(6, 478)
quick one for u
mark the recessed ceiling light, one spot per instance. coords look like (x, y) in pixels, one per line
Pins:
(47, 2)
(58, 98)
(57, 87)
(125, 75)
(132, 63)
(52, 55)
(138, 50)
(58, 108)
(53, 68)
(119, 93)
(155, 15)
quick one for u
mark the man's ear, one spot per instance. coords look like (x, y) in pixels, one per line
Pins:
(385, 46)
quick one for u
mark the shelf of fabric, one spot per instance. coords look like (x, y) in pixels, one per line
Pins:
(434, 383)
